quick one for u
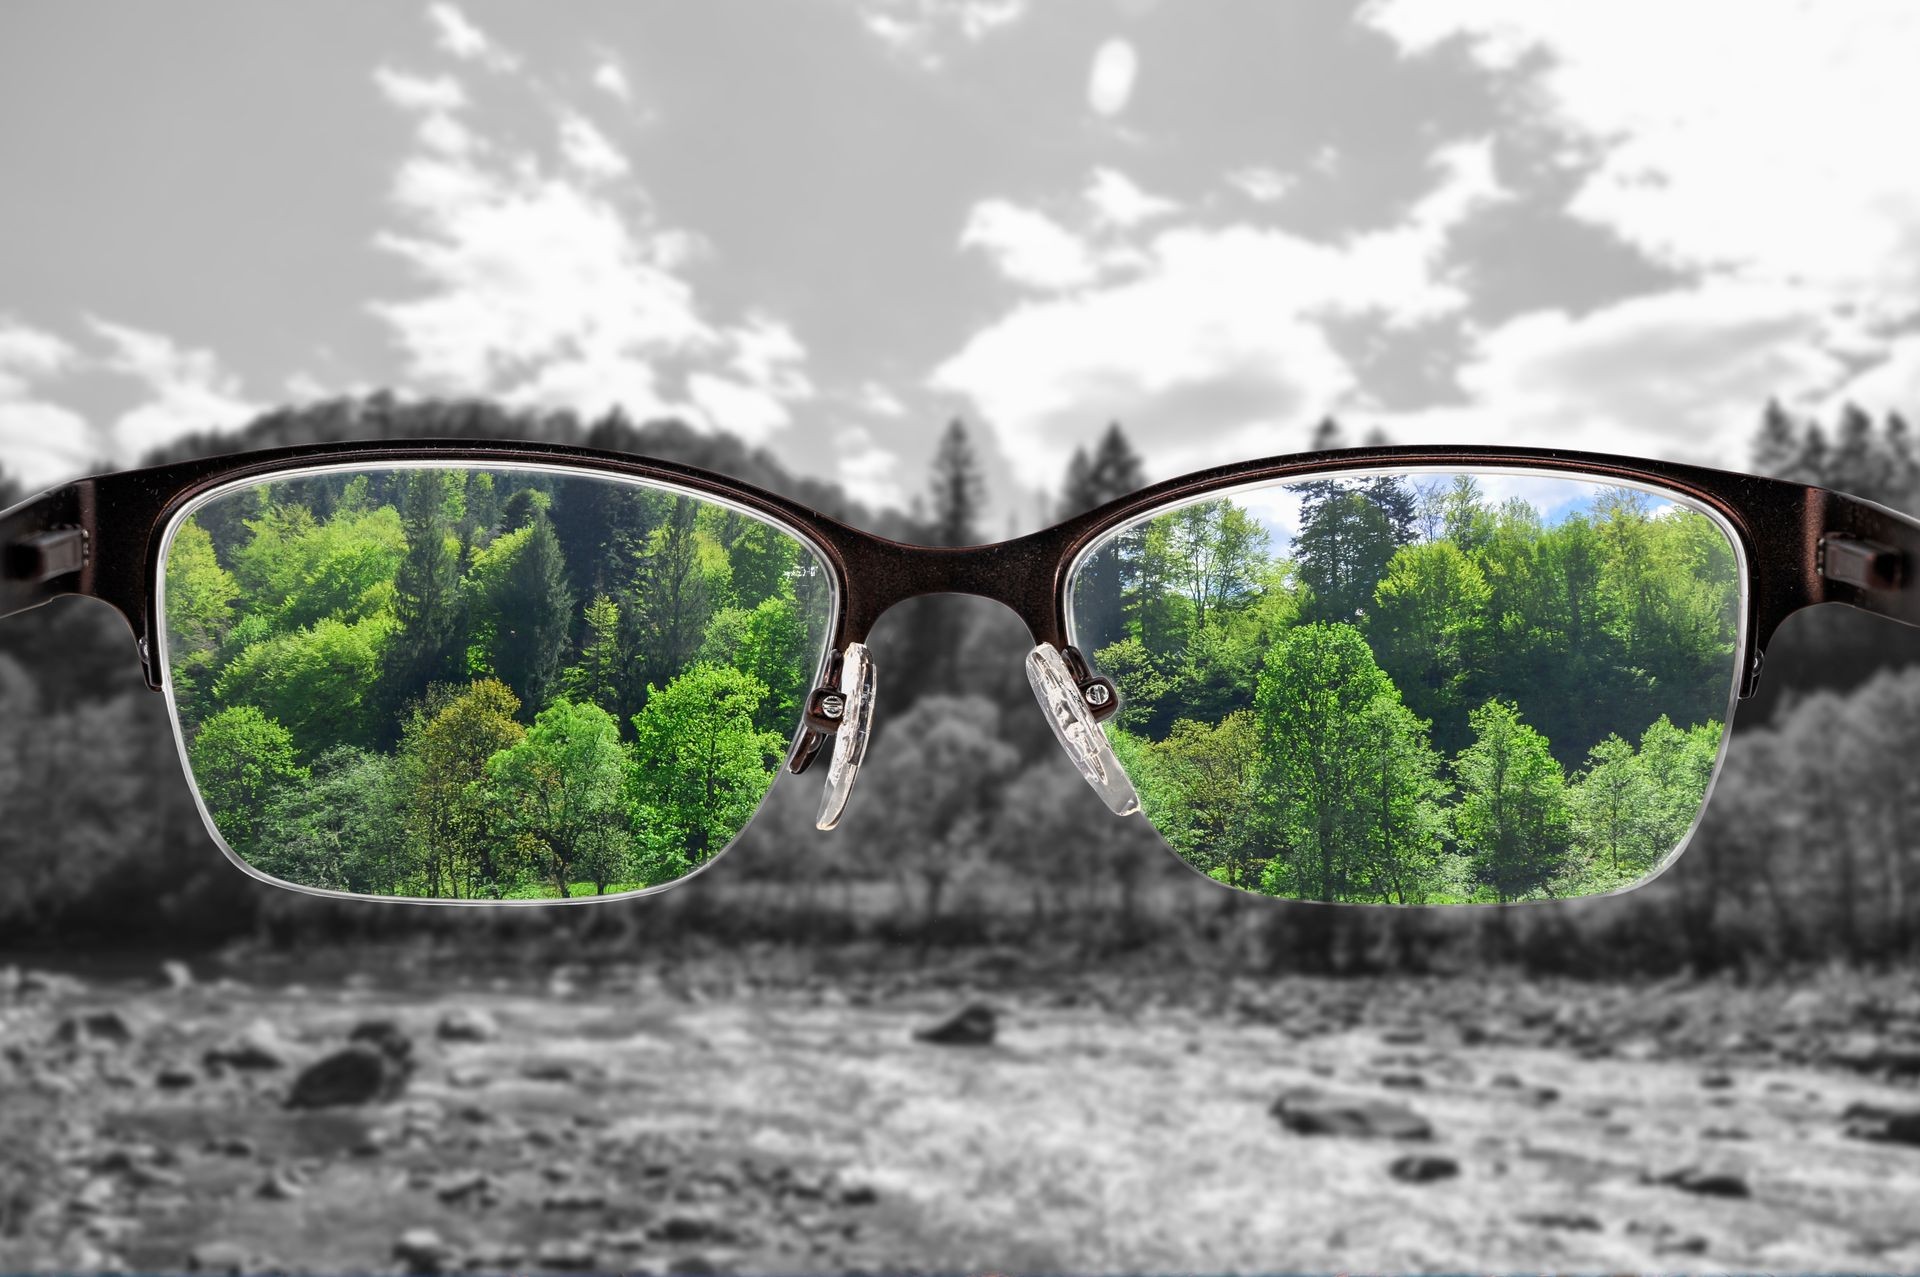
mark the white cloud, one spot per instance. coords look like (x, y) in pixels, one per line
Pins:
(42, 443)
(1260, 184)
(1892, 384)
(419, 92)
(589, 150)
(922, 31)
(868, 471)
(184, 391)
(1762, 141)
(741, 409)
(1028, 247)
(611, 78)
(1110, 81)
(1118, 202)
(456, 33)
(1200, 340)
(1680, 374)
(877, 399)
(546, 280)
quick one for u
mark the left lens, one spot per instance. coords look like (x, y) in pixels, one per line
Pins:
(1419, 687)
(474, 683)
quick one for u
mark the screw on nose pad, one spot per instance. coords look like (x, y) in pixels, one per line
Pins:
(1071, 716)
(853, 721)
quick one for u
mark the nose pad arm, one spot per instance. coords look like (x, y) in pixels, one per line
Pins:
(1064, 700)
(852, 723)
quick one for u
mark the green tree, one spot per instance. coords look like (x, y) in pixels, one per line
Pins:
(1428, 625)
(241, 759)
(200, 609)
(427, 605)
(560, 786)
(1348, 534)
(533, 613)
(1512, 821)
(344, 830)
(595, 677)
(770, 642)
(700, 768)
(520, 612)
(671, 603)
(1203, 789)
(1612, 805)
(1398, 798)
(449, 739)
(315, 681)
(1310, 707)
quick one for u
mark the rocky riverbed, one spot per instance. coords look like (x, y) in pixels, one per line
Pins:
(760, 1114)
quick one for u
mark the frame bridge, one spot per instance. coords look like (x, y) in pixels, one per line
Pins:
(1024, 574)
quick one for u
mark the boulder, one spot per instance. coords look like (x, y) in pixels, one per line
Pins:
(96, 1028)
(1423, 1168)
(467, 1024)
(357, 1074)
(1308, 1111)
(1883, 1125)
(423, 1251)
(974, 1025)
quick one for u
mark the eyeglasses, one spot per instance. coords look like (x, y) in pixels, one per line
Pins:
(485, 672)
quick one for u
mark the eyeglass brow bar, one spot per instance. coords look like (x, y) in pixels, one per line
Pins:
(101, 538)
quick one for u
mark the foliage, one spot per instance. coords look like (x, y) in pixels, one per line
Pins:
(1424, 695)
(559, 789)
(394, 689)
(240, 759)
(700, 768)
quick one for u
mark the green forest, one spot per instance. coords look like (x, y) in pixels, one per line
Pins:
(1424, 695)
(482, 684)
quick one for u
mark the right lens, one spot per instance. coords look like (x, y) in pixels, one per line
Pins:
(465, 682)
(1418, 687)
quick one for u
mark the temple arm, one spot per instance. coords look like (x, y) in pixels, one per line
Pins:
(46, 548)
(1868, 557)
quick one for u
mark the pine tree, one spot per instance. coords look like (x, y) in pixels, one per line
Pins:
(1116, 468)
(535, 613)
(426, 594)
(1776, 450)
(957, 492)
(1327, 436)
(1113, 471)
(595, 678)
(1857, 465)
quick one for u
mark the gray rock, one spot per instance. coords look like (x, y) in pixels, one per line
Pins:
(357, 1074)
(1423, 1168)
(221, 1257)
(280, 1186)
(1691, 1179)
(467, 1024)
(566, 1255)
(1307, 1111)
(96, 1028)
(423, 1251)
(1571, 1221)
(178, 975)
(1883, 1125)
(974, 1025)
(174, 1079)
(257, 1050)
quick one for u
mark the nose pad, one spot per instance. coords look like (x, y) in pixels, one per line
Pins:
(1077, 730)
(850, 737)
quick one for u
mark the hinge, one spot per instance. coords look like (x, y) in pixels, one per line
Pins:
(46, 555)
(1868, 565)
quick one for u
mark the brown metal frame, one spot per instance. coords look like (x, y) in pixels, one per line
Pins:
(102, 538)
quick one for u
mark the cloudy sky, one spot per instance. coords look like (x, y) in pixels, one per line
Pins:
(830, 225)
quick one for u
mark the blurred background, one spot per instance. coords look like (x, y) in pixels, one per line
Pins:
(950, 269)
